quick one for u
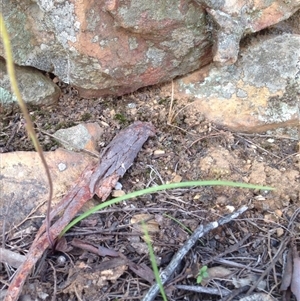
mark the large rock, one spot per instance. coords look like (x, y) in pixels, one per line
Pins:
(24, 185)
(261, 91)
(115, 47)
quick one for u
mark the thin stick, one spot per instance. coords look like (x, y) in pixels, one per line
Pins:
(170, 117)
(201, 289)
(279, 252)
(259, 147)
(229, 250)
(55, 282)
(199, 232)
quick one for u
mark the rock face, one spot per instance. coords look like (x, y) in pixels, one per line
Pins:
(237, 18)
(109, 47)
(115, 47)
(261, 91)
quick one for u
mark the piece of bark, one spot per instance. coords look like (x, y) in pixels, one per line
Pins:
(115, 159)
(101, 251)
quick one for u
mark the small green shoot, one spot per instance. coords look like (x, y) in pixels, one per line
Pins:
(121, 118)
(182, 225)
(179, 223)
(86, 116)
(153, 262)
(202, 274)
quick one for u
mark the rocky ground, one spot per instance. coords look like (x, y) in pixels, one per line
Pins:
(186, 147)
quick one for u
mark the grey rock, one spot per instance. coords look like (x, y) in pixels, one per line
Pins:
(261, 91)
(35, 88)
(115, 47)
(79, 137)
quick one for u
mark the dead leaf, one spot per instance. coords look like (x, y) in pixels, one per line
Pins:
(216, 272)
(62, 245)
(142, 270)
(97, 276)
(258, 297)
(248, 281)
(150, 222)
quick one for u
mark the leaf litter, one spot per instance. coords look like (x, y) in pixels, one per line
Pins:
(190, 149)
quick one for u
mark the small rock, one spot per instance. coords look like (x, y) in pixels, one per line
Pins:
(131, 105)
(268, 74)
(79, 137)
(230, 208)
(62, 166)
(176, 179)
(158, 152)
(104, 123)
(279, 232)
(117, 193)
(118, 186)
(35, 88)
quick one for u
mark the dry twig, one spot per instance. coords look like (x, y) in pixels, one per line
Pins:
(202, 289)
(199, 232)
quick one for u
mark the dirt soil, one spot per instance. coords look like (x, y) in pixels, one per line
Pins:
(189, 148)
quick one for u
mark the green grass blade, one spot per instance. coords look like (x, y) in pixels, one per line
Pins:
(159, 188)
(153, 262)
(179, 223)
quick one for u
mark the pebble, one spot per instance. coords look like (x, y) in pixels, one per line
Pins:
(104, 123)
(158, 152)
(278, 213)
(279, 232)
(176, 179)
(62, 166)
(118, 186)
(230, 208)
(117, 193)
(131, 105)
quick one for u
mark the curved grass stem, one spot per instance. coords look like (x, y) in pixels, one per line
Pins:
(29, 124)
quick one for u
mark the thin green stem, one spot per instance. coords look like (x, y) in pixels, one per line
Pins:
(153, 262)
(179, 223)
(159, 188)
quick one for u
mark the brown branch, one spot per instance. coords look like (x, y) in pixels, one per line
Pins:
(115, 159)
